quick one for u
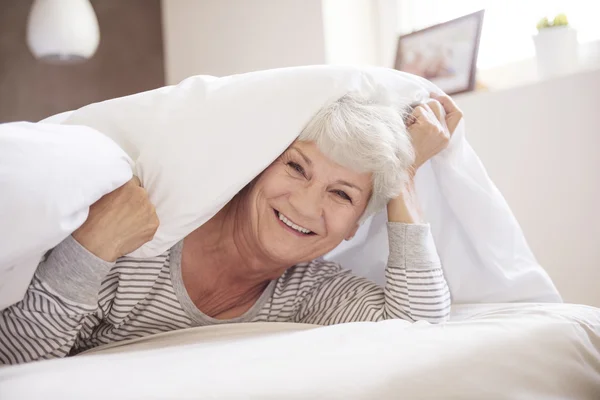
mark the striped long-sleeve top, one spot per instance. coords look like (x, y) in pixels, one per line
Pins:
(77, 301)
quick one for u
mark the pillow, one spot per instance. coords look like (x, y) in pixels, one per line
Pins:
(49, 176)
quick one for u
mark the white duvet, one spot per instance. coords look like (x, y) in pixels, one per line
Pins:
(528, 351)
(195, 145)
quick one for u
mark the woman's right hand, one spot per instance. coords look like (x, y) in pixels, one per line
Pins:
(119, 223)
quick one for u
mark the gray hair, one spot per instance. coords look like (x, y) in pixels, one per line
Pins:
(366, 135)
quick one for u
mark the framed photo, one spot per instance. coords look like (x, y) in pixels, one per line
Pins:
(446, 53)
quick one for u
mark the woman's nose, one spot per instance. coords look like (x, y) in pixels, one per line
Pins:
(307, 201)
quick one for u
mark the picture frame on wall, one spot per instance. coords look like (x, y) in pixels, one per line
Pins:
(445, 54)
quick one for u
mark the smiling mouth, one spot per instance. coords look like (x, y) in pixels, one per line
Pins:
(291, 225)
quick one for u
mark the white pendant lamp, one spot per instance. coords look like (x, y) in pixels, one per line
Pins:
(62, 31)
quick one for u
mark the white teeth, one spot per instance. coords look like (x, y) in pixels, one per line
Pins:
(289, 223)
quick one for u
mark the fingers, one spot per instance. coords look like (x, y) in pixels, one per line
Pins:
(453, 113)
(418, 114)
(419, 111)
(410, 119)
(431, 113)
(152, 224)
(423, 112)
(446, 102)
(437, 109)
(136, 181)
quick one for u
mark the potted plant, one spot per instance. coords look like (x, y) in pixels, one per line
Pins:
(556, 47)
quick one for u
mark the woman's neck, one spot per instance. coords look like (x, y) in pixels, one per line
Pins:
(221, 264)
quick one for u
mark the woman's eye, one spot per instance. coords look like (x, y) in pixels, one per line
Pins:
(297, 167)
(343, 195)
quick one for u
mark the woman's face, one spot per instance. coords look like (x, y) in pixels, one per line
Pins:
(304, 204)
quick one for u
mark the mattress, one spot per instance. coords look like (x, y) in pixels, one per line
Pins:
(502, 351)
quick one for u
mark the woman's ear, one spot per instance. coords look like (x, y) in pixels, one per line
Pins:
(351, 234)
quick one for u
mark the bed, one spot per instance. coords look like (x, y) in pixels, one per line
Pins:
(502, 351)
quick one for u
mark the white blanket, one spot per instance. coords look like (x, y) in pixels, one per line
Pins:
(195, 145)
(529, 351)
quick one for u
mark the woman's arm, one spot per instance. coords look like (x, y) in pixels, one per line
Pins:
(62, 294)
(415, 285)
(64, 289)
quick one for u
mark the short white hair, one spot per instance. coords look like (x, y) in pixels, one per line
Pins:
(366, 135)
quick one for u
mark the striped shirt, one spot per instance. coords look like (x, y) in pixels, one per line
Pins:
(77, 301)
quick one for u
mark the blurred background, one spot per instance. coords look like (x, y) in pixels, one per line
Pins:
(525, 72)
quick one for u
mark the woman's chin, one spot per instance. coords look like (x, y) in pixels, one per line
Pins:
(287, 255)
(291, 252)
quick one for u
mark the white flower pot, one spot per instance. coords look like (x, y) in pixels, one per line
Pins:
(556, 51)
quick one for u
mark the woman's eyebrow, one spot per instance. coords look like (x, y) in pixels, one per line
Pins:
(340, 182)
(306, 159)
(345, 183)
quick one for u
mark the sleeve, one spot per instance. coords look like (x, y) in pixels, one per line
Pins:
(63, 292)
(415, 286)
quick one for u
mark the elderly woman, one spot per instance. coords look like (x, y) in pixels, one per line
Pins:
(258, 259)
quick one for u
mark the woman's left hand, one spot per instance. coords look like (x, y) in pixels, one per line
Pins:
(431, 125)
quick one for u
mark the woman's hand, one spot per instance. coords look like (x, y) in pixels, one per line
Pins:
(119, 223)
(431, 125)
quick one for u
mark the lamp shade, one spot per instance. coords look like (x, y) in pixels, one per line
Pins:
(62, 31)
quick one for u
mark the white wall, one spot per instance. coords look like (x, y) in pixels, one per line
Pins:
(351, 32)
(541, 146)
(360, 32)
(223, 37)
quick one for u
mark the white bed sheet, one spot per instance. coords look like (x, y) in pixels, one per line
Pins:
(504, 351)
